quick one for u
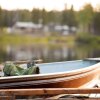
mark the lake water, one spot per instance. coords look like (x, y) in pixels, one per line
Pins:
(49, 53)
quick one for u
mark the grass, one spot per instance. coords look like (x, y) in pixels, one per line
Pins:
(88, 39)
(29, 39)
(17, 39)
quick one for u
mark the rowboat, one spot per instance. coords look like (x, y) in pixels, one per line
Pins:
(66, 74)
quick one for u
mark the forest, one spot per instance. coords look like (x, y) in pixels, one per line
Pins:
(87, 19)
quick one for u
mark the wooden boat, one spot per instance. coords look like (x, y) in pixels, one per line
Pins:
(67, 74)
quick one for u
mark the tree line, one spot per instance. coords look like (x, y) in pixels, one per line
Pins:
(86, 19)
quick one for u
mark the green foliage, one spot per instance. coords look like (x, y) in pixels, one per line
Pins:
(86, 14)
(44, 17)
(85, 17)
(88, 39)
(52, 16)
(36, 15)
(96, 23)
(1, 17)
(22, 15)
(69, 17)
(10, 17)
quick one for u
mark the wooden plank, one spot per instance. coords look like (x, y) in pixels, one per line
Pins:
(6, 98)
(49, 91)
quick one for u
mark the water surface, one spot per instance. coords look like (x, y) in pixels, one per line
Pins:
(48, 53)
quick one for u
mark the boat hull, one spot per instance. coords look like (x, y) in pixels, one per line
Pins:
(86, 77)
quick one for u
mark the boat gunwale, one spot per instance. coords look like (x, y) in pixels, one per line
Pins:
(51, 75)
(39, 82)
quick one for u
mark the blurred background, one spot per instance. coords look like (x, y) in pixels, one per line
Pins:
(52, 30)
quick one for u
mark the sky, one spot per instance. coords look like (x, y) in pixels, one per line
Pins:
(47, 4)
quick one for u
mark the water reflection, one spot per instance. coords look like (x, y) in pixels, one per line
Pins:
(49, 53)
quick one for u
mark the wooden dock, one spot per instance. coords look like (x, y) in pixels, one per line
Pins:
(51, 94)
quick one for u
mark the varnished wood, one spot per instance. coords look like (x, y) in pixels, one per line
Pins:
(49, 91)
(6, 98)
(74, 79)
